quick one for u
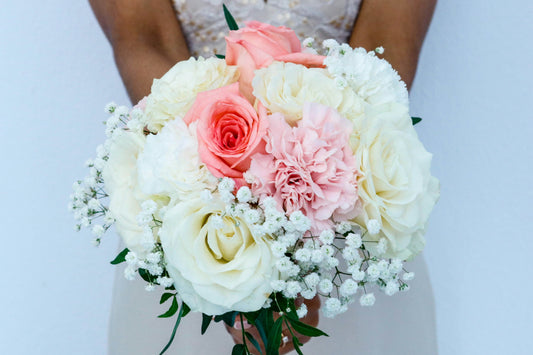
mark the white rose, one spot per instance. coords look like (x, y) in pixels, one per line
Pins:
(120, 178)
(285, 87)
(173, 94)
(170, 165)
(395, 186)
(216, 270)
(393, 114)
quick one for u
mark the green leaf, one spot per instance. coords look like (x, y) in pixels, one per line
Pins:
(146, 276)
(121, 257)
(220, 56)
(253, 341)
(172, 310)
(296, 343)
(165, 296)
(261, 329)
(228, 318)
(181, 314)
(238, 349)
(274, 337)
(206, 320)
(415, 120)
(232, 24)
(266, 317)
(186, 309)
(252, 316)
(305, 329)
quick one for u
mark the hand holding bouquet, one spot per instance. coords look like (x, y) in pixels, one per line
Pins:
(241, 184)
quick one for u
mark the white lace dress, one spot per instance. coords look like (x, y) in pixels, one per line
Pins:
(400, 325)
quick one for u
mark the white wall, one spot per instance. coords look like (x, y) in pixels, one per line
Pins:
(56, 74)
(473, 90)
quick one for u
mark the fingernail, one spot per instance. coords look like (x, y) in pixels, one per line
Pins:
(237, 324)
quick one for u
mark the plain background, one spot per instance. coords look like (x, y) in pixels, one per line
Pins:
(474, 91)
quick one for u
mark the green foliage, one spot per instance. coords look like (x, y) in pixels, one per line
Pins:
(185, 309)
(238, 349)
(206, 320)
(254, 342)
(232, 24)
(305, 329)
(172, 310)
(228, 318)
(220, 56)
(415, 120)
(165, 296)
(296, 343)
(146, 276)
(182, 313)
(121, 257)
(274, 337)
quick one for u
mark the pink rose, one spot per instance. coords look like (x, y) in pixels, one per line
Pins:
(258, 44)
(229, 130)
(310, 167)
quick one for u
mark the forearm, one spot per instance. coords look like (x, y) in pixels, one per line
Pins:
(140, 63)
(146, 38)
(399, 26)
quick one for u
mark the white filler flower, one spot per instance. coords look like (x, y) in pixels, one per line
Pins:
(216, 270)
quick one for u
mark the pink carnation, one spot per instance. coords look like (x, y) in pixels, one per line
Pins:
(309, 167)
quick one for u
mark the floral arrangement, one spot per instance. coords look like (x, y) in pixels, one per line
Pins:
(242, 184)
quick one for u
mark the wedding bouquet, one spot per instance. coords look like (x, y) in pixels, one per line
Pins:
(242, 184)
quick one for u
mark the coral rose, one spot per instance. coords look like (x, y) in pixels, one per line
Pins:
(229, 130)
(258, 44)
(310, 167)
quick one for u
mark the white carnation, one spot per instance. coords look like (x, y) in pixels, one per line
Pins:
(173, 94)
(125, 197)
(371, 78)
(170, 165)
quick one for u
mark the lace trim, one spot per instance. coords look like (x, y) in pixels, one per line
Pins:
(204, 27)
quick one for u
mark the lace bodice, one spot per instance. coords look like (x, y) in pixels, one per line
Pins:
(204, 27)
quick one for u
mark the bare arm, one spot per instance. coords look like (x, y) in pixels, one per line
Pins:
(399, 26)
(146, 38)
